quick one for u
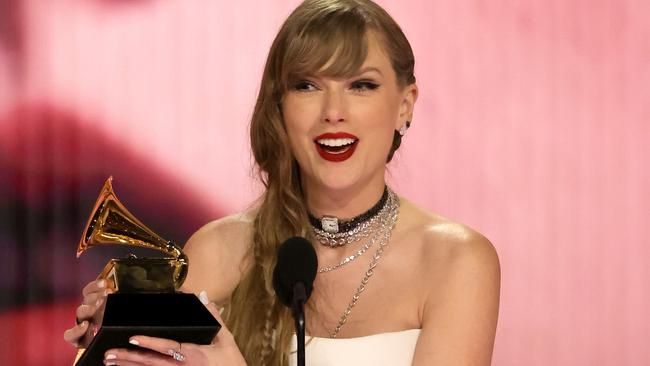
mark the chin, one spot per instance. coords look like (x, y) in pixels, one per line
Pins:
(349, 175)
(336, 184)
(338, 181)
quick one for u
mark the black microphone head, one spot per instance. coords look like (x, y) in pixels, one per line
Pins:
(297, 262)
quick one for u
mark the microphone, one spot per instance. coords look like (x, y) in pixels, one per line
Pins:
(293, 281)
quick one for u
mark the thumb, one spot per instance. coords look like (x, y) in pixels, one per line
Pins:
(213, 309)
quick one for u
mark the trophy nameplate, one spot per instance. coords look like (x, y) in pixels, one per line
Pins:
(145, 301)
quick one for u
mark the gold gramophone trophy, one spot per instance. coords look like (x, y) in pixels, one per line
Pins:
(145, 300)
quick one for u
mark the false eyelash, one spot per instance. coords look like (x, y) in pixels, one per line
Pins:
(366, 85)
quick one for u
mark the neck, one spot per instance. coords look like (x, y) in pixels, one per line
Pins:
(343, 203)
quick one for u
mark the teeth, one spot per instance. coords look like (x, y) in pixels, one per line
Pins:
(335, 142)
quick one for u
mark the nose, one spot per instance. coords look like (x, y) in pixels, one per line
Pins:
(334, 107)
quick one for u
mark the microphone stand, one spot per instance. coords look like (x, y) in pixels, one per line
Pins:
(297, 309)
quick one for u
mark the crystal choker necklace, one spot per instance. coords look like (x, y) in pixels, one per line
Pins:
(330, 231)
(387, 218)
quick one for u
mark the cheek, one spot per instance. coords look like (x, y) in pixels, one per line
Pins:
(297, 125)
(295, 142)
(381, 142)
(297, 115)
(382, 109)
(298, 146)
(380, 121)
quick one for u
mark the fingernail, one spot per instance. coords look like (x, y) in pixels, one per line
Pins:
(111, 356)
(110, 362)
(98, 302)
(101, 284)
(84, 323)
(221, 310)
(203, 296)
(134, 342)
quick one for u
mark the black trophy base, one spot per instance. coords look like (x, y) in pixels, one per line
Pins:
(177, 316)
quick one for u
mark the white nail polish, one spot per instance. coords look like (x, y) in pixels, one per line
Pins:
(134, 342)
(203, 296)
(111, 356)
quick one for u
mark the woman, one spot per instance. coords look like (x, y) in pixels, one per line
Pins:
(396, 284)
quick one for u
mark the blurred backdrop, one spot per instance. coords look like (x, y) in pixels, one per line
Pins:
(532, 126)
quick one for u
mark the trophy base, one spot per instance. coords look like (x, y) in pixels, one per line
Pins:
(177, 316)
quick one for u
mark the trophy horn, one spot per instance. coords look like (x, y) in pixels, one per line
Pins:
(110, 223)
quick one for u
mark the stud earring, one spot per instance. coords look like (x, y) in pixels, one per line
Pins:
(405, 126)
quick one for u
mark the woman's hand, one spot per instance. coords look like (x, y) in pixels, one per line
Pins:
(164, 352)
(89, 312)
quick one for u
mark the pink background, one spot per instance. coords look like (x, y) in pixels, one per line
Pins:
(532, 126)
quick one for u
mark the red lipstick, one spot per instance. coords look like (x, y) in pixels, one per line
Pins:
(336, 153)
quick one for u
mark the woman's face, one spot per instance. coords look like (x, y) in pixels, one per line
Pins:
(341, 129)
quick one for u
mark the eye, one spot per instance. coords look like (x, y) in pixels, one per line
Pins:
(304, 86)
(364, 85)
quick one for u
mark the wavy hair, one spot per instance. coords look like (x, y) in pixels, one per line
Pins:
(328, 37)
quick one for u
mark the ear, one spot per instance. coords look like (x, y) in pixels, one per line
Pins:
(409, 96)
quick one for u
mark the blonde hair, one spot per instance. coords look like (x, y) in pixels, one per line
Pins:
(318, 33)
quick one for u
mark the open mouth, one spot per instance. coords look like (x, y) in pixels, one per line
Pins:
(336, 147)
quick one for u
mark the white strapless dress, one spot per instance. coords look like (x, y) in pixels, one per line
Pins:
(394, 348)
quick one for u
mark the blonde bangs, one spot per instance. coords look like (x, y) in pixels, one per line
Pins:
(331, 46)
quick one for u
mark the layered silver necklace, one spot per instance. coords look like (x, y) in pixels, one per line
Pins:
(381, 227)
(331, 231)
(382, 220)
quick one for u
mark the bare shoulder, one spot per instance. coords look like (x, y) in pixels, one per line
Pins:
(448, 244)
(460, 291)
(218, 255)
(231, 233)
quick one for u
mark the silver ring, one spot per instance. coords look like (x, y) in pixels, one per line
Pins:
(177, 355)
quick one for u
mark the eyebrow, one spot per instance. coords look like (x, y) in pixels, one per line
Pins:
(367, 69)
(359, 72)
